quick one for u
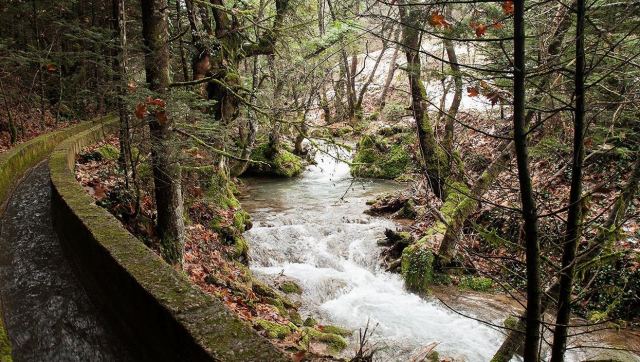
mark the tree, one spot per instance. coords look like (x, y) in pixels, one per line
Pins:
(572, 234)
(532, 339)
(433, 155)
(166, 169)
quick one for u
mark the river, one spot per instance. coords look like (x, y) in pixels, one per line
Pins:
(313, 229)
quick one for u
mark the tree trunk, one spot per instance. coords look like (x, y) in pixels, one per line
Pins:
(433, 155)
(573, 232)
(183, 58)
(390, 73)
(365, 85)
(121, 78)
(457, 95)
(529, 213)
(166, 170)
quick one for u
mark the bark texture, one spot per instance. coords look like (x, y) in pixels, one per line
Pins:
(166, 170)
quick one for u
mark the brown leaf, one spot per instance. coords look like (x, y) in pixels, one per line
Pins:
(161, 116)
(141, 110)
(437, 20)
(156, 102)
(507, 7)
(481, 30)
(473, 91)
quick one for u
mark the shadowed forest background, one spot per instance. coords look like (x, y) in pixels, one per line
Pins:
(343, 174)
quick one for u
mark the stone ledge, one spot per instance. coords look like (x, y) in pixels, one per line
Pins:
(155, 307)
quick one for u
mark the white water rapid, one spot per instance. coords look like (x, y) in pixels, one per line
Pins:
(305, 230)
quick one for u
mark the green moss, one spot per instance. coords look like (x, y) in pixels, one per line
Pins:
(511, 322)
(295, 318)
(290, 287)
(334, 342)
(241, 248)
(274, 330)
(337, 330)
(417, 267)
(376, 158)
(479, 284)
(310, 322)
(279, 304)
(241, 220)
(5, 346)
(282, 163)
(108, 152)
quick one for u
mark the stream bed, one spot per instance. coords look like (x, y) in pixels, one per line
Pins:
(313, 229)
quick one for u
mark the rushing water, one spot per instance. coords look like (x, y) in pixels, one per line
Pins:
(313, 229)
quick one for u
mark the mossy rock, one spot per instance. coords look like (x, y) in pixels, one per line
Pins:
(108, 152)
(417, 267)
(335, 343)
(479, 284)
(376, 157)
(337, 330)
(279, 304)
(310, 322)
(290, 287)
(275, 330)
(281, 163)
(295, 318)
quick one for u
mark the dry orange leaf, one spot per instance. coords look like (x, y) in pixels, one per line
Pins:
(507, 7)
(141, 110)
(481, 30)
(437, 20)
(156, 102)
(473, 91)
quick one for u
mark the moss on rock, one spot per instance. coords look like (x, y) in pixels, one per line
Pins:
(290, 287)
(378, 157)
(417, 267)
(275, 330)
(479, 284)
(337, 330)
(334, 342)
(310, 322)
(280, 163)
(108, 152)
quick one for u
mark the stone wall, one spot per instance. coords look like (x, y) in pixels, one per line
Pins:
(155, 307)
